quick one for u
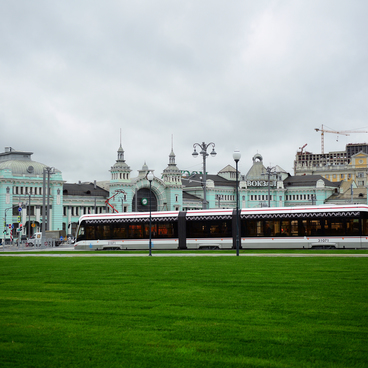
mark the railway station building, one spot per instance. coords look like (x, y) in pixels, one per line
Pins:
(24, 183)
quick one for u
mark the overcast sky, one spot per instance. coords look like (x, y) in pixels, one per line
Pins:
(257, 76)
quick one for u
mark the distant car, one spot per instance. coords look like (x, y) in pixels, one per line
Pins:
(35, 239)
(30, 241)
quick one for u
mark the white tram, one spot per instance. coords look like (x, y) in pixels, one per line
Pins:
(324, 226)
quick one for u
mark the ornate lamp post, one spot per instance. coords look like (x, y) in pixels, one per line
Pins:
(150, 178)
(236, 157)
(204, 154)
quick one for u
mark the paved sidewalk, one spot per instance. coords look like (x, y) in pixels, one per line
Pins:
(97, 254)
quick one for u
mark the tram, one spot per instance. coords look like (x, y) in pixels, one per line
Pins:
(325, 226)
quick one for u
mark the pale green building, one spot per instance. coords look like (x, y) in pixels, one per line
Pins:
(22, 191)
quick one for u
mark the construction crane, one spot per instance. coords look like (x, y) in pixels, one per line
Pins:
(301, 148)
(341, 132)
(118, 191)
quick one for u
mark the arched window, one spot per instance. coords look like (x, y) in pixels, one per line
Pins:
(143, 196)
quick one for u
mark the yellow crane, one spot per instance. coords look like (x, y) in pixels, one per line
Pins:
(341, 132)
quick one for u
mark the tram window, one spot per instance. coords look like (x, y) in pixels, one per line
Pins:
(153, 231)
(285, 228)
(314, 228)
(304, 228)
(102, 232)
(277, 228)
(119, 232)
(335, 227)
(294, 228)
(253, 228)
(259, 228)
(209, 229)
(81, 232)
(220, 229)
(269, 228)
(163, 230)
(135, 231)
(196, 229)
(364, 226)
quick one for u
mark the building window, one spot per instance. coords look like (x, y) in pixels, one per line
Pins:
(342, 176)
(360, 174)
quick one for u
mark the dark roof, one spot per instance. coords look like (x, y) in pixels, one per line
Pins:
(191, 197)
(308, 180)
(195, 181)
(84, 189)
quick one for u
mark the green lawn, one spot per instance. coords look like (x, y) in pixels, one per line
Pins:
(183, 312)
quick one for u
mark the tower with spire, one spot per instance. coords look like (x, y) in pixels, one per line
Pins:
(171, 177)
(120, 180)
(120, 171)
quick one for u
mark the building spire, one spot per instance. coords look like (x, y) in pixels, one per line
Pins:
(172, 154)
(120, 151)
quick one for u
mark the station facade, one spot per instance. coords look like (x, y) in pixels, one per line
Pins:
(24, 183)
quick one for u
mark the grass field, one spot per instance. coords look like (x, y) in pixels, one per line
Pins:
(183, 312)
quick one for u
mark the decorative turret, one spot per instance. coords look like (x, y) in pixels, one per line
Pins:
(172, 175)
(144, 171)
(257, 170)
(120, 171)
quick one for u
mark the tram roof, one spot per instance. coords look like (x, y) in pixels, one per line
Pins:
(228, 212)
(305, 209)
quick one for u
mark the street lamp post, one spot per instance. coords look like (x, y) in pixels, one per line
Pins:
(150, 178)
(48, 170)
(236, 157)
(29, 214)
(269, 171)
(204, 154)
